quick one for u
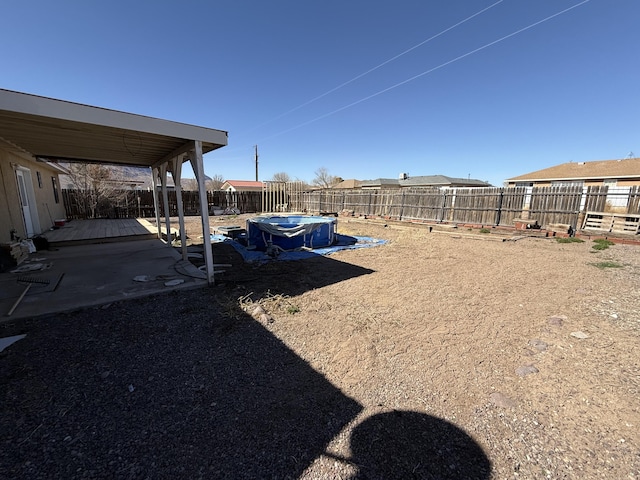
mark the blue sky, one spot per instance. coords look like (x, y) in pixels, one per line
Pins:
(487, 92)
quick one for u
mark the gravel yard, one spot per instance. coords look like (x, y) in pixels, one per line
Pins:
(438, 355)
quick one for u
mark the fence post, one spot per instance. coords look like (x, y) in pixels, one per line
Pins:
(401, 206)
(444, 203)
(499, 211)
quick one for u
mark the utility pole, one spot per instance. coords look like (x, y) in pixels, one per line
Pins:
(256, 147)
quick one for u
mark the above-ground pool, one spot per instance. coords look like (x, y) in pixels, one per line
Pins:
(291, 231)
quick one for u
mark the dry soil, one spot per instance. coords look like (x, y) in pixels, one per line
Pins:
(442, 354)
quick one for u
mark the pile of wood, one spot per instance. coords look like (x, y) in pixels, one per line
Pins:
(18, 252)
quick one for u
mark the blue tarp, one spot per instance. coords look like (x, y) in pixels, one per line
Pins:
(343, 242)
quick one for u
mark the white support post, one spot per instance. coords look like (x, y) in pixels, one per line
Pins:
(176, 172)
(197, 164)
(155, 172)
(165, 201)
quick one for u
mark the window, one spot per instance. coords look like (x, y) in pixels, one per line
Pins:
(39, 179)
(568, 183)
(610, 183)
(55, 189)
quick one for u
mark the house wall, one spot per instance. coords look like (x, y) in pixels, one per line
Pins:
(44, 203)
(629, 182)
(633, 182)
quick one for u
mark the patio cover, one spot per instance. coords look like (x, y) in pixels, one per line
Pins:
(56, 130)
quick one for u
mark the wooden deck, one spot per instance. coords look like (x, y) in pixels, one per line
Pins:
(102, 230)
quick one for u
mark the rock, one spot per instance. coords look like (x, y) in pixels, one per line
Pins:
(500, 400)
(557, 320)
(526, 370)
(538, 344)
(580, 335)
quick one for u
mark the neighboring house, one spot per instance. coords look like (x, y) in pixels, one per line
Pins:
(440, 181)
(347, 184)
(380, 184)
(242, 186)
(611, 173)
(29, 194)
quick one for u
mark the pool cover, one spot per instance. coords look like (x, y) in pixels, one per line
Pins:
(342, 242)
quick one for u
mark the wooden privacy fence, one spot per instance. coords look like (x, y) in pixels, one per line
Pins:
(479, 206)
(139, 203)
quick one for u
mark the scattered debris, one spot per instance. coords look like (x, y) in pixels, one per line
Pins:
(6, 341)
(526, 370)
(173, 283)
(539, 345)
(580, 335)
(141, 278)
(32, 267)
(501, 400)
(265, 318)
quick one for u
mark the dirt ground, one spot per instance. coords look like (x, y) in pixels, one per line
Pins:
(441, 354)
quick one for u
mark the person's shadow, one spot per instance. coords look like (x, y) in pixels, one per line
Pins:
(412, 445)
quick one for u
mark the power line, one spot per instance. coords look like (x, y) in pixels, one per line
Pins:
(357, 77)
(431, 70)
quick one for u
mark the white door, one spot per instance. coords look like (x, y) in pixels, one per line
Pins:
(24, 199)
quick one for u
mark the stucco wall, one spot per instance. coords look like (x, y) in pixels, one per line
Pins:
(44, 202)
(590, 183)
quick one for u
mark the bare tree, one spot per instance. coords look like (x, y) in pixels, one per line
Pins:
(323, 179)
(215, 183)
(281, 177)
(97, 186)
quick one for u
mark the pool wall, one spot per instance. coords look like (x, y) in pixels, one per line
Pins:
(291, 231)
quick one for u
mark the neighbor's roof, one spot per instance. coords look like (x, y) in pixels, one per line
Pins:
(351, 183)
(379, 182)
(442, 180)
(426, 181)
(625, 168)
(51, 129)
(244, 183)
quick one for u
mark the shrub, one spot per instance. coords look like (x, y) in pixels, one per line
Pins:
(293, 309)
(602, 244)
(569, 240)
(607, 265)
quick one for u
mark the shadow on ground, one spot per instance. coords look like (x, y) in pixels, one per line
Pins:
(124, 392)
(171, 386)
(412, 445)
(282, 277)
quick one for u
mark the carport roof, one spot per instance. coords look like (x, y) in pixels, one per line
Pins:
(53, 130)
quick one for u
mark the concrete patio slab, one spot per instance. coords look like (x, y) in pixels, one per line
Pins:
(81, 276)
